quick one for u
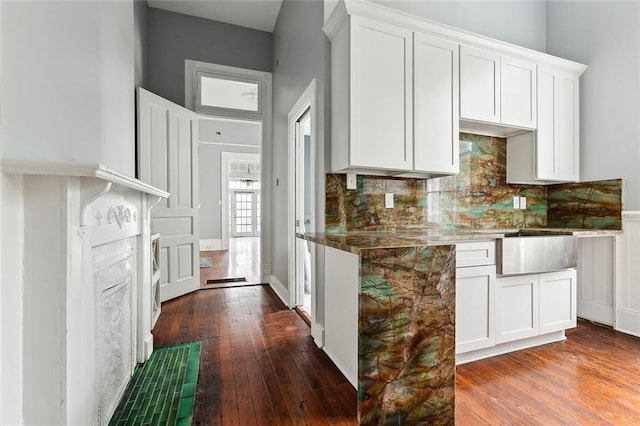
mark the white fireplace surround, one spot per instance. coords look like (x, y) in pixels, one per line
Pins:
(86, 275)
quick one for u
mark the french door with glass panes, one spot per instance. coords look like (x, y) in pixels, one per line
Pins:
(245, 216)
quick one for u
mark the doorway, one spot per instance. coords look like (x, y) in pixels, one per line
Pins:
(302, 146)
(232, 98)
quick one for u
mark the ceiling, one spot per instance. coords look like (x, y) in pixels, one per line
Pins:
(256, 14)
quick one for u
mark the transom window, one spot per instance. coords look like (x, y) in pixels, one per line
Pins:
(220, 93)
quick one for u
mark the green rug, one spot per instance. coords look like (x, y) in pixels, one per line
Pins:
(162, 390)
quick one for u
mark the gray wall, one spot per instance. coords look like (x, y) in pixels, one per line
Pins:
(301, 53)
(517, 22)
(606, 37)
(210, 186)
(174, 37)
(232, 135)
(140, 46)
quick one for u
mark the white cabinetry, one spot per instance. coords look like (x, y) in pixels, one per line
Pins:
(517, 305)
(475, 296)
(596, 278)
(557, 299)
(497, 89)
(341, 311)
(536, 304)
(372, 86)
(552, 153)
(436, 122)
(373, 116)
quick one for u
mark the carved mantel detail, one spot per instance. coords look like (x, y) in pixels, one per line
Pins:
(120, 215)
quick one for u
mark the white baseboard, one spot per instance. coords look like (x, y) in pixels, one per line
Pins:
(504, 348)
(317, 332)
(148, 346)
(602, 314)
(628, 321)
(280, 290)
(211, 244)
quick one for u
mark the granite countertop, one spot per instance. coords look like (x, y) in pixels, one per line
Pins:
(357, 241)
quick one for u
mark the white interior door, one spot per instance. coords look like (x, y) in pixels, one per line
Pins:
(168, 159)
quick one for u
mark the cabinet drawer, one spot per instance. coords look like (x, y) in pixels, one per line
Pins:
(475, 254)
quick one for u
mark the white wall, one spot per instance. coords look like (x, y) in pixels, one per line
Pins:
(66, 95)
(11, 299)
(68, 71)
(606, 37)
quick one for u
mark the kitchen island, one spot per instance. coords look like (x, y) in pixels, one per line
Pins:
(390, 299)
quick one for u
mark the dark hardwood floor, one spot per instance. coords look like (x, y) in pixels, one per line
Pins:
(258, 363)
(260, 366)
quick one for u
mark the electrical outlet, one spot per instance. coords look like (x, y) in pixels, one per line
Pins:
(516, 202)
(523, 203)
(352, 182)
(388, 200)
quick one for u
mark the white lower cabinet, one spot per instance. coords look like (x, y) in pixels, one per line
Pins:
(517, 305)
(557, 299)
(536, 304)
(475, 308)
(496, 315)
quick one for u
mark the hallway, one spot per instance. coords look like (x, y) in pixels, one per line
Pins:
(258, 363)
(239, 266)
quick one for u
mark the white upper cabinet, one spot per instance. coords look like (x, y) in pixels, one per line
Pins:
(552, 153)
(497, 89)
(403, 87)
(517, 93)
(479, 85)
(372, 86)
(435, 112)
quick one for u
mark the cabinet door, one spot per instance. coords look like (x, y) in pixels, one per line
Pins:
(341, 311)
(381, 95)
(567, 124)
(557, 149)
(557, 301)
(475, 308)
(518, 93)
(436, 111)
(516, 308)
(479, 85)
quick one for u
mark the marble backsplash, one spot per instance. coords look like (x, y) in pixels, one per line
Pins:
(585, 205)
(478, 197)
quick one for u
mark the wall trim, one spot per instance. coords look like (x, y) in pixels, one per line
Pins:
(281, 291)
(317, 332)
(627, 294)
(210, 244)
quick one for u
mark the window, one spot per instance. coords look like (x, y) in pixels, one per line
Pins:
(220, 93)
(223, 91)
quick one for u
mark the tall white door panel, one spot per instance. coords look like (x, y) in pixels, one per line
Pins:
(168, 159)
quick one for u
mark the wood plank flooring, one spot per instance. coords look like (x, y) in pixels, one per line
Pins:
(242, 260)
(260, 366)
(258, 363)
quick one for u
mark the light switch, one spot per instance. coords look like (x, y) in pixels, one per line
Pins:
(516, 202)
(352, 182)
(523, 203)
(388, 200)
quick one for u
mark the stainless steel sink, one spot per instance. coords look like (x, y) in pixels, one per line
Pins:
(519, 253)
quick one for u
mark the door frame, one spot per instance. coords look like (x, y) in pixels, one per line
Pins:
(225, 158)
(306, 101)
(264, 115)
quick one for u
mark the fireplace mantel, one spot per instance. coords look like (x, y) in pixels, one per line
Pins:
(73, 215)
